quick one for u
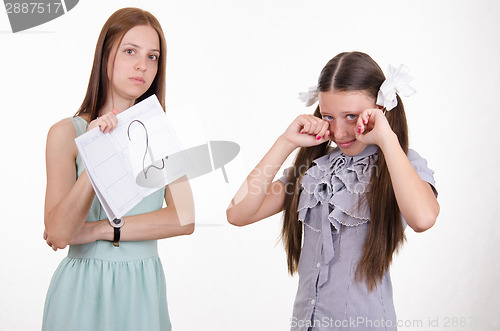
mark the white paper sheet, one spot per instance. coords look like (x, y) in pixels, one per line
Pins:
(131, 162)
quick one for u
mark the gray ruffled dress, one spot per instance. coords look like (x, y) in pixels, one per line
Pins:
(336, 222)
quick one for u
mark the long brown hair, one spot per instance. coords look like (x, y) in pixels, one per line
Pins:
(354, 71)
(112, 33)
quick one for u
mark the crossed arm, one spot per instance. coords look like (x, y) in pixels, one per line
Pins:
(68, 200)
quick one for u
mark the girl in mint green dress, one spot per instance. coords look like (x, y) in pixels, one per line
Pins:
(111, 279)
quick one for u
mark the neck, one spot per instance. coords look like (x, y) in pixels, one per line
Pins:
(116, 102)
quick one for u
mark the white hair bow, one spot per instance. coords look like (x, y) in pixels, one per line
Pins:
(310, 97)
(396, 82)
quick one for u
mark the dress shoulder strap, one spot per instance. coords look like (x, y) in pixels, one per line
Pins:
(80, 125)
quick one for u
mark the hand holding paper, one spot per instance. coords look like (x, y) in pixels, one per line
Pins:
(128, 164)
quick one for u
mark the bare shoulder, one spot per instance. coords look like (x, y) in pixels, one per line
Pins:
(64, 125)
(61, 137)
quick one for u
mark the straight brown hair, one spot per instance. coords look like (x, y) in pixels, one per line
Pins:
(117, 25)
(353, 71)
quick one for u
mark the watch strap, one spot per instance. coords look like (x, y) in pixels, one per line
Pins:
(116, 237)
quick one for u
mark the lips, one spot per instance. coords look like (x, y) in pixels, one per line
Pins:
(345, 144)
(137, 80)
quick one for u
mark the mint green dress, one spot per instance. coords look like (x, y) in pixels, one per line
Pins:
(102, 287)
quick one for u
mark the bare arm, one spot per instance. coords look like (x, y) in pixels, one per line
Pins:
(67, 199)
(259, 197)
(415, 197)
(176, 219)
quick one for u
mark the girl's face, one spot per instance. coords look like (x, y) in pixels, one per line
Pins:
(133, 64)
(341, 110)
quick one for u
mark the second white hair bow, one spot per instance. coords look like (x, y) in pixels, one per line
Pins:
(396, 82)
(310, 97)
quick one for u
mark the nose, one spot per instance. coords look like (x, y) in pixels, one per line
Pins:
(339, 130)
(141, 64)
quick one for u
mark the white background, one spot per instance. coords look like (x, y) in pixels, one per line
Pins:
(233, 73)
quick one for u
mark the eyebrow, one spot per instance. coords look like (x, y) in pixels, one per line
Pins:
(341, 113)
(137, 46)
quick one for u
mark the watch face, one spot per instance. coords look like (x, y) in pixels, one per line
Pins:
(116, 223)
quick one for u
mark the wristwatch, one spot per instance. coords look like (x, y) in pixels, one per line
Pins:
(117, 223)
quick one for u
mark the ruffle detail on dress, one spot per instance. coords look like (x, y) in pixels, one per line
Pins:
(307, 201)
(341, 181)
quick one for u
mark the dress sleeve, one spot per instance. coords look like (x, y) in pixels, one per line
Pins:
(420, 166)
(286, 172)
(425, 173)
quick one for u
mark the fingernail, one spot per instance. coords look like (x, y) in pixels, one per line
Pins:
(318, 138)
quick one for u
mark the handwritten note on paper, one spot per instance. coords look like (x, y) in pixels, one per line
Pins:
(131, 162)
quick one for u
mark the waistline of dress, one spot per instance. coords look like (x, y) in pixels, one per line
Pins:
(105, 250)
